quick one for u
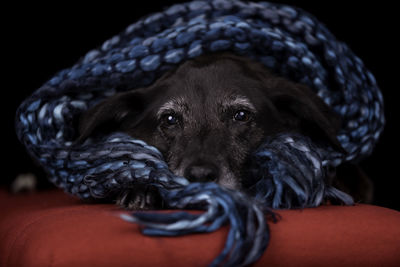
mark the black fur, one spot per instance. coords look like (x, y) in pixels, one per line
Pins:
(207, 115)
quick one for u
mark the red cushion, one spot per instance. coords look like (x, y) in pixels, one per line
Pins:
(53, 229)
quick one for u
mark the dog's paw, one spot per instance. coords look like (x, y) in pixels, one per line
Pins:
(140, 197)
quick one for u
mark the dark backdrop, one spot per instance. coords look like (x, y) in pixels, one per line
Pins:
(40, 40)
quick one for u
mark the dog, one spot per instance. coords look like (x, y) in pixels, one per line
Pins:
(207, 115)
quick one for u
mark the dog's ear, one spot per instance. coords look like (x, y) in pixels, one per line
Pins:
(308, 111)
(114, 112)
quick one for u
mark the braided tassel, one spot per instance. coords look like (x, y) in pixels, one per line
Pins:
(248, 235)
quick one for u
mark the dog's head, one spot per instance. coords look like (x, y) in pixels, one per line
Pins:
(208, 114)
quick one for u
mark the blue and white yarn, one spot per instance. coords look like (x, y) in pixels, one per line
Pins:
(288, 170)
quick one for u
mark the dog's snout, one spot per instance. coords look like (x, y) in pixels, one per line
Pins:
(202, 173)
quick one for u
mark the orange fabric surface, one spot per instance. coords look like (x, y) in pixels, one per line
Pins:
(54, 229)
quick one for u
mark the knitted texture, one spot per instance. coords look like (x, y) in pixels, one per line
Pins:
(288, 170)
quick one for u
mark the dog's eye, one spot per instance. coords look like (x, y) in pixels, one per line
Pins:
(171, 119)
(242, 115)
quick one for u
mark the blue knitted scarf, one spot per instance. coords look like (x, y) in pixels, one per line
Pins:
(288, 170)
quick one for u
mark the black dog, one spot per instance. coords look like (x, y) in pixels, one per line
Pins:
(208, 114)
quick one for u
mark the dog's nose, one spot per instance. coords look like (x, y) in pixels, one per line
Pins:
(201, 173)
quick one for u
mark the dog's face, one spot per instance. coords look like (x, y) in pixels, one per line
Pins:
(207, 115)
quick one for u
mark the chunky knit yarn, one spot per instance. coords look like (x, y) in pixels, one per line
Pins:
(288, 170)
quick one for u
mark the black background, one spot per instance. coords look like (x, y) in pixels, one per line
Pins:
(40, 40)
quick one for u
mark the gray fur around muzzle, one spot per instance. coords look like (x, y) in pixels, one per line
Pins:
(289, 171)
